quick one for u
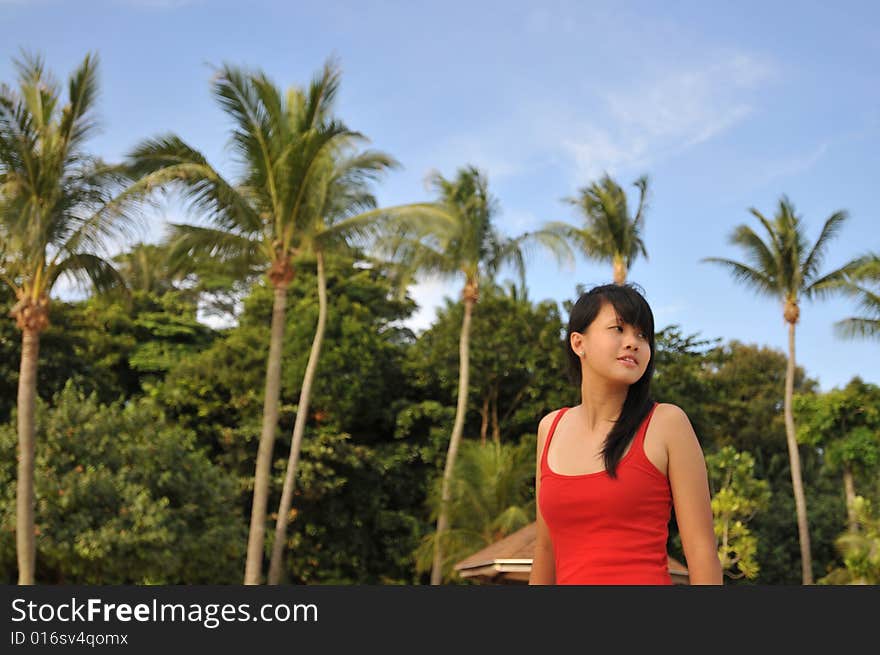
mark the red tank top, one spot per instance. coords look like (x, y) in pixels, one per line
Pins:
(608, 531)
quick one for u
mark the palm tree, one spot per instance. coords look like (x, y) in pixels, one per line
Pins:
(144, 267)
(859, 286)
(844, 424)
(281, 142)
(343, 207)
(489, 499)
(456, 238)
(57, 217)
(609, 233)
(786, 268)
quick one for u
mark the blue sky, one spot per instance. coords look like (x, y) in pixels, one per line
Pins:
(724, 105)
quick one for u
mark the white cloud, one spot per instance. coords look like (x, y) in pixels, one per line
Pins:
(655, 118)
(429, 295)
(794, 164)
(646, 118)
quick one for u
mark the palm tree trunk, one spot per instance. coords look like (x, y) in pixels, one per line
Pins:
(24, 498)
(484, 419)
(794, 457)
(299, 429)
(850, 490)
(457, 430)
(254, 566)
(496, 428)
(619, 270)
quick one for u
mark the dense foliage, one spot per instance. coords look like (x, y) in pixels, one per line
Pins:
(149, 427)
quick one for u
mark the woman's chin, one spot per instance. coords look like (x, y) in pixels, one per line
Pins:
(627, 378)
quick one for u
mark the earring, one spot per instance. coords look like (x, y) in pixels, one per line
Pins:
(582, 353)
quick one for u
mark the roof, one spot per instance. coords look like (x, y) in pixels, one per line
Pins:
(510, 560)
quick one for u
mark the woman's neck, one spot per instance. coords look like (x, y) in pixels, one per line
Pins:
(601, 404)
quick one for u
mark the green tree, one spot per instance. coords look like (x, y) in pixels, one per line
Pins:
(512, 380)
(123, 497)
(845, 424)
(859, 547)
(787, 268)
(743, 401)
(864, 286)
(210, 286)
(281, 143)
(57, 215)
(457, 239)
(76, 346)
(609, 232)
(489, 498)
(345, 208)
(358, 505)
(145, 267)
(738, 496)
(682, 376)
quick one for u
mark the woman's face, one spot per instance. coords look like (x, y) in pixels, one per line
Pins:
(612, 349)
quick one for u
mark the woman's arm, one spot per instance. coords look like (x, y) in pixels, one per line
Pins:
(543, 563)
(689, 482)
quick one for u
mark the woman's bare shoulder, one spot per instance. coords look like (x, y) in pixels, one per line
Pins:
(548, 418)
(670, 413)
(671, 423)
(544, 424)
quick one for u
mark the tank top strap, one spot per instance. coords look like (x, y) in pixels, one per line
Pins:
(544, 465)
(638, 443)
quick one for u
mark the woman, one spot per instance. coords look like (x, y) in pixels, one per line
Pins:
(610, 470)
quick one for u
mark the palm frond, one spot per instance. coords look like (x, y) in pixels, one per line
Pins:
(757, 251)
(587, 241)
(858, 328)
(87, 269)
(551, 240)
(757, 280)
(316, 144)
(371, 224)
(776, 246)
(170, 161)
(509, 251)
(77, 124)
(38, 89)
(642, 185)
(321, 95)
(251, 137)
(834, 282)
(813, 261)
(190, 245)
(347, 188)
(87, 219)
(869, 301)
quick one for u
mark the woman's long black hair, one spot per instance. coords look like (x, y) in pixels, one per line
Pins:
(633, 309)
